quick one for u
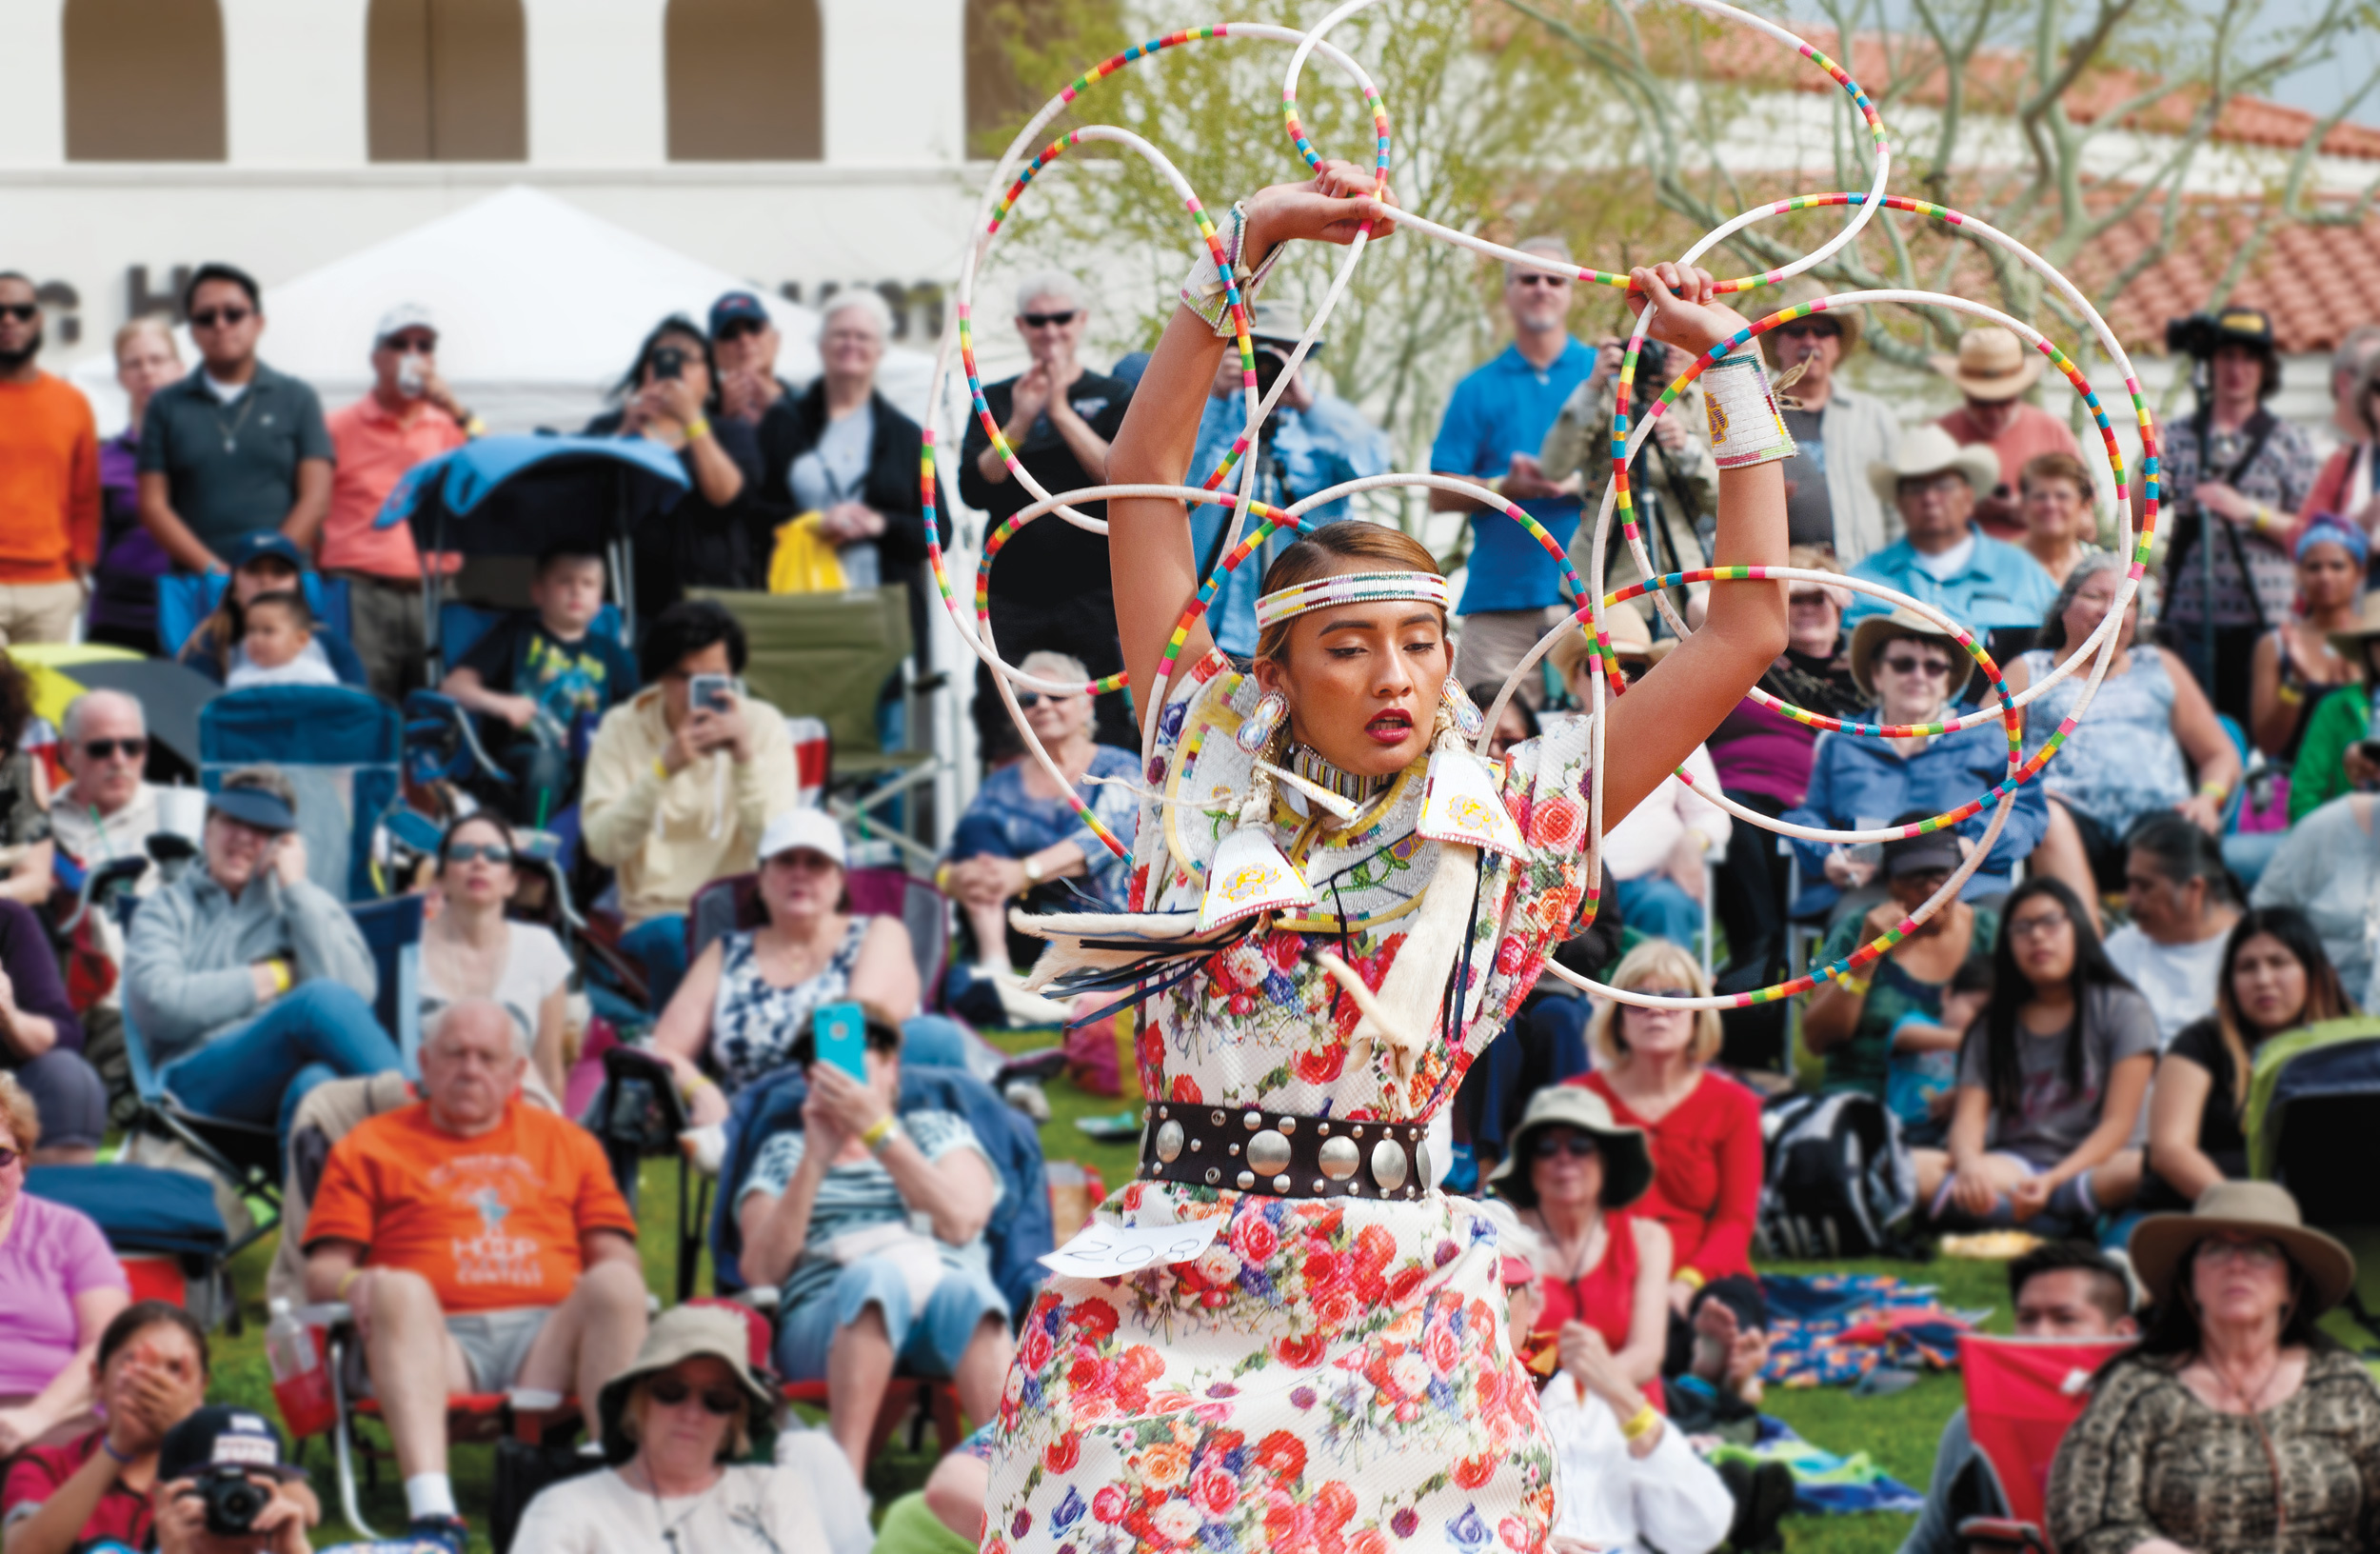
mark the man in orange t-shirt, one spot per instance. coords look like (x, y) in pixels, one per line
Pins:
(482, 1246)
(49, 481)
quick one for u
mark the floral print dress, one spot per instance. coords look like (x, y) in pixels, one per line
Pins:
(1332, 1374)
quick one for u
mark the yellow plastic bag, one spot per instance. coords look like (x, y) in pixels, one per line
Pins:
(802, 562)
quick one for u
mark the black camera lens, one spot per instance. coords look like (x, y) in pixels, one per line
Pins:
(233, 1500)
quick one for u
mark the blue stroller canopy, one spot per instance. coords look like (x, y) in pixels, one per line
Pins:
(515, 496)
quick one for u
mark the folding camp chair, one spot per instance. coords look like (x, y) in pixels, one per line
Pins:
(2022, 1394)
(340, 748)
(162, 1225)
(2314, 1108)
(829, 656)
(185, 600)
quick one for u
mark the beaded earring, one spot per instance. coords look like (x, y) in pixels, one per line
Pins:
(1468, 719)
(1263, 720)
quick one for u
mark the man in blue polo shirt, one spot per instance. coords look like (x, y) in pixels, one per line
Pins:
(1493, 425)
(1943, 561)
(235, 448)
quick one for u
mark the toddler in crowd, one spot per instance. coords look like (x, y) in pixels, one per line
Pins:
(277, 645)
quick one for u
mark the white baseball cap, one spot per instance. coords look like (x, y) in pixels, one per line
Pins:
(805, 827)
(404, 315)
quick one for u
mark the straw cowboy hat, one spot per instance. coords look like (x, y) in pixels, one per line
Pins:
(2161, 1244)
(2352, 641)
(1631, 638)
(1930, 450)
(1992, 364)
(1869, 637)
(1627, 1162)
(680, 1333)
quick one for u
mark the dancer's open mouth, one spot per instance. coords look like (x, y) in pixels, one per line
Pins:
(1390, 728)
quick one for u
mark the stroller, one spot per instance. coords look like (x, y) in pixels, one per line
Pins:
(2313, 1104)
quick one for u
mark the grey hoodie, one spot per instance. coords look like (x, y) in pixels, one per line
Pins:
(186, 964)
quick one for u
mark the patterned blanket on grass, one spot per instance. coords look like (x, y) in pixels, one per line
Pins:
(1824, 1485)
(1831, 1329)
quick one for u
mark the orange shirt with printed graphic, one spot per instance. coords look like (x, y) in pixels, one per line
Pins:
(494, 1222)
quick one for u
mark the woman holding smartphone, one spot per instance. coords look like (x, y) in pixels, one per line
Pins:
(871, 1224)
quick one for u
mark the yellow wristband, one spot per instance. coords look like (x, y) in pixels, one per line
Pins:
(696, 1085)
(661, 768)
(875, 1138)
(697, 428)
(1857, 987)
(1690, 1277)
(282, 980)
(2215, 791)
(1642, 1423)
(346, 1280)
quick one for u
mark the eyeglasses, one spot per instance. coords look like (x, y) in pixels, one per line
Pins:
(9, 1157)
(495, 852)
(1811, 329)
(1576, 1145)
(1045, 321)
(24, 312)
(670, 1392)
(2255, 1254)
(1535, 277)
(1664, 993)
(2037, 927)
(105, 750)
(1905, 664)
(206, 318)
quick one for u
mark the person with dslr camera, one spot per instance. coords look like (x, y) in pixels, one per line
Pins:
(224, 1488)
(1311, 442)
(2234, 477)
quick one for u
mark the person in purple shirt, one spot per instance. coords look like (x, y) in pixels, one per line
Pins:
(41, 1041)
(60, 1286)
(1764, 762)
(124, 586)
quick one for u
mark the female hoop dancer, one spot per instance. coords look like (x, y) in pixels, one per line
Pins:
(1335, 906)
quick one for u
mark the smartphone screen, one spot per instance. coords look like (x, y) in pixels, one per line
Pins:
(840, 1031)
(713, 693)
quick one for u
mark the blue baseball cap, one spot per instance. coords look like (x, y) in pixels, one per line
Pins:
(257, 544)
(257, 806)
(733, 307)
(223, 1436)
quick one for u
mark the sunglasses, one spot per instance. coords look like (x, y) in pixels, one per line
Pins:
(669, 1392)
(1576, 1145)
(413, 345)
(495, 852)
(107, 749)
(736, 328)
(1535, 277)
(1044, 320)
(206, 318)
(1029, 699)
(9, 1157)
(1905, 664)
(1804, 330)
(1664, 993)
(24, 312)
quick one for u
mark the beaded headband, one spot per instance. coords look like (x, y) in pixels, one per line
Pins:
(1349, 589)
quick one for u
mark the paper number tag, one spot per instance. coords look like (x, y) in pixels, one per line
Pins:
(1104, 1251)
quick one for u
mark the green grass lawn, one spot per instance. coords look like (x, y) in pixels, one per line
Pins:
(1898, 1432)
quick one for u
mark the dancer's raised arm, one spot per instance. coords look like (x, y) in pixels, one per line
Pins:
(1148, 540)
(1675, 707)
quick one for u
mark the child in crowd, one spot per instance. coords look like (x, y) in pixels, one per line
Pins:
(277, 645)
(533, 677)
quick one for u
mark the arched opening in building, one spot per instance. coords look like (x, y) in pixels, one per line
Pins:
(747, 81)
(144, 81)
(448, 81)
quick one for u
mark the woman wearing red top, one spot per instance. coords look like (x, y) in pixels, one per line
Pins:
(1572, 1174)
(1703, 1129)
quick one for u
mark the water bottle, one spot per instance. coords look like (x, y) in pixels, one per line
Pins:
(301, 1385)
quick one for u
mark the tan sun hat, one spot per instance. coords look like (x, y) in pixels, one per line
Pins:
(1627, 1160)
(685, 1333)
(1630, 637)
(1930, 450)
(1992, 364)
(2161, 1243)
(1869, 638)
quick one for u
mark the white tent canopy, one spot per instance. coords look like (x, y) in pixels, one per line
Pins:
(540, 309)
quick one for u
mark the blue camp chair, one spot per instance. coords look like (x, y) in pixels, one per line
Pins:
(185, 600)
(247, 1154)
(339, 748)
(147, 1211)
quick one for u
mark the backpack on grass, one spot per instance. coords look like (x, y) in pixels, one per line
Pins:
(1838, 1181)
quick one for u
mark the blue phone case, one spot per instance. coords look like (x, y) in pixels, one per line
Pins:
(840, 1030)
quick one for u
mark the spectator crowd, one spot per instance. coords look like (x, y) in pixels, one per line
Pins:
(630, 885)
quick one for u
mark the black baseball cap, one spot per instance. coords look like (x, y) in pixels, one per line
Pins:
(220, 1435)
(1918, 854)
(257, 806)
(733, 307)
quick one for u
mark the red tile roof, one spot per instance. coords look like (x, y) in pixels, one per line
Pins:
(2318, 282)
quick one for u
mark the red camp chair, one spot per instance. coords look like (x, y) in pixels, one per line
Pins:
(2022, 1394)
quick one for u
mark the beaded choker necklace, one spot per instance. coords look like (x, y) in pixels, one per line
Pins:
(1322, 775)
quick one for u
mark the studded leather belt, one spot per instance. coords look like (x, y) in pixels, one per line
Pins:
(1283, 1154)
